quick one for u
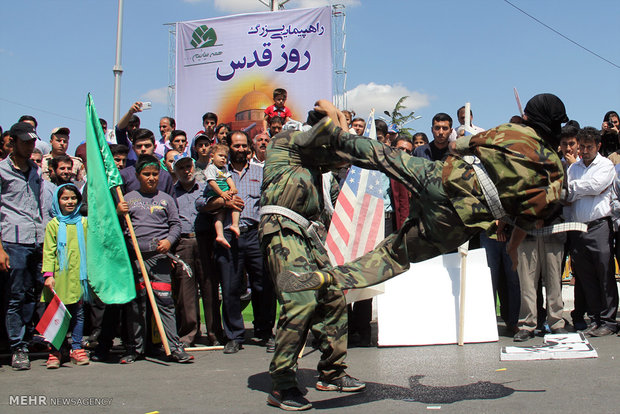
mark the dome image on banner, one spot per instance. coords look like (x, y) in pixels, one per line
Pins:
(252, 106)
(251, 110)
(203, 36)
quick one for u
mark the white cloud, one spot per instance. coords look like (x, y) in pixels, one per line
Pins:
(364, 97)
(159, 96)
(241, 6)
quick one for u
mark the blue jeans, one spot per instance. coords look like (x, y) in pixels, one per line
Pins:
(505, 280)
(245, 256)
(24, 274)
(76, 325)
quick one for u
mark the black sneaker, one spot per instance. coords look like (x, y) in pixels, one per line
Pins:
(38, 344)
(342, 384)
(290, 399)
(602, 330)
(523, 335)
(592, 327)
(100, 354)
(130, 358)
(269, 342)
(180, 356)
(579, 324)
(290, 281)
(232, 347)
(20, 361)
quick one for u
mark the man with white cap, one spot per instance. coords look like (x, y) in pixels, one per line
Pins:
(59, 140)
(185, 288)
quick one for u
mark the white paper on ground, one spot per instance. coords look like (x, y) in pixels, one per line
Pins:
(555, 346)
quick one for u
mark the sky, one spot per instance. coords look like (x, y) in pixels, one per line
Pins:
(441, 53)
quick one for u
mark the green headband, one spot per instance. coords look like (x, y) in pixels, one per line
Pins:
(148, 164)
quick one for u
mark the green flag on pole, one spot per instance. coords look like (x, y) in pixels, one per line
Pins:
(108, 265)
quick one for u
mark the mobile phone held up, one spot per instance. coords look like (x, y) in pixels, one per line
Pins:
(146, 105)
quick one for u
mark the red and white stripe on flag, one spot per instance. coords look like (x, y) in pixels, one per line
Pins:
(357, 223)
(54, 323)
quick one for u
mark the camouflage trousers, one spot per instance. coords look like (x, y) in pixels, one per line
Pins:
(323, 311)
(432, 228)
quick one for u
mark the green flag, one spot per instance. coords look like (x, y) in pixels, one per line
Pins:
(108, 265)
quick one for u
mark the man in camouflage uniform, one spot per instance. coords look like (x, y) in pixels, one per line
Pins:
(448, 201)
(292, 179)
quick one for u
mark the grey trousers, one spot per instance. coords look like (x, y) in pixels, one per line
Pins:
(159, 269)
(540, 258)
(185, 290)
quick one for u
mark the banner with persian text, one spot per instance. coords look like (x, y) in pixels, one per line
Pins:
(231, 65)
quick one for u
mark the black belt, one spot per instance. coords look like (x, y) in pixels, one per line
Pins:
(188, 235)
(245, 229)
(598, 221)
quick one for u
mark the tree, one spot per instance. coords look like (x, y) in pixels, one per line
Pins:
(400, 120)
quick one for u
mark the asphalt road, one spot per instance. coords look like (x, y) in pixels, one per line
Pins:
(444, 378)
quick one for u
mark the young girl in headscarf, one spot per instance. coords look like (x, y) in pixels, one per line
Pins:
(64, 266)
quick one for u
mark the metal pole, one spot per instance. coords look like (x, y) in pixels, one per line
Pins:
(172, 46)
(339, 55)
(117, 69)
(274, 5)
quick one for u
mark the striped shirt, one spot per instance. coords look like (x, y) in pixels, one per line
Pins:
(186, 201)
(248, 183)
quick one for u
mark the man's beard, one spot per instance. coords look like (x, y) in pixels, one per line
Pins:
(240, 157)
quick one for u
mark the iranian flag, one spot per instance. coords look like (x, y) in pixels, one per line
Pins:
(55, 322)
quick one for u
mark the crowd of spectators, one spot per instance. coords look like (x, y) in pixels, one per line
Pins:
(210, 185)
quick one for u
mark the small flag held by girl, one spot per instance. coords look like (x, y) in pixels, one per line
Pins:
(55, 322)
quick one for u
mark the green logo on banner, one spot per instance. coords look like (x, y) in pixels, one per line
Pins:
(203, 36)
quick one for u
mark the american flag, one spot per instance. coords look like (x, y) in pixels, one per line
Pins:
(357, 224)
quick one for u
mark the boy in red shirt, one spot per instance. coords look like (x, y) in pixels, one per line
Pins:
(277, 109)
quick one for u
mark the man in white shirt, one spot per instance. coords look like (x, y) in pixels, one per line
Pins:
(590, 193)
(460, 130)
(260, 148)
(167, 124)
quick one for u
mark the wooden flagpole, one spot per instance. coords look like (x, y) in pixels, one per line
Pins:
(147, 281)
(204, 348)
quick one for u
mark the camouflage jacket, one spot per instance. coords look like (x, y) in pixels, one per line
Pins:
(527, 172)
(292, 176)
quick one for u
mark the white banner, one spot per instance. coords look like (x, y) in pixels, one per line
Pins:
(421, 306)
(231, 65)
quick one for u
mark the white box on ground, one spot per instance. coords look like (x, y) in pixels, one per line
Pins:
(421, 306)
